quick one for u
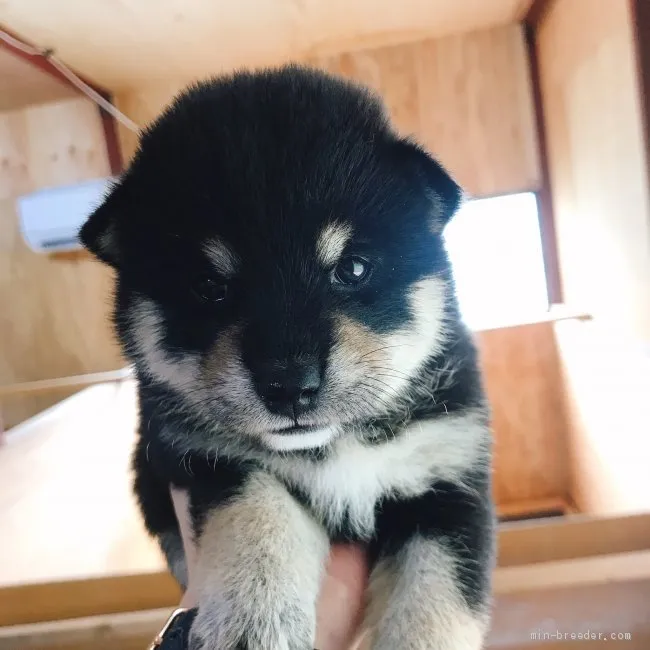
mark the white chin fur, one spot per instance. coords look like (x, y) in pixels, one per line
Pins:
(294, 441)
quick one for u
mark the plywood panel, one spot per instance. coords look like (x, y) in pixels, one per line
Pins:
(132, 45)
(65, 143)
(532, 620)
(575, 536)
(523, 384)
(467, 98)
(607, 381)
(51, 144)
(54, 319)
(14, 179)
(597, 160)
(23, 84)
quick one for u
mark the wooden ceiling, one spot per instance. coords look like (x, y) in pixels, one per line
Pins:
(23, 84)
(129, 43)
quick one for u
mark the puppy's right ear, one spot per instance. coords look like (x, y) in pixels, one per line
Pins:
(100, 234)
(445, 194)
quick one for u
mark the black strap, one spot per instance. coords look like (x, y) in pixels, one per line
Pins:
(177, 635)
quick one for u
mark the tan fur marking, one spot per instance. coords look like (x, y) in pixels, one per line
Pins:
(147, 327)
(387, 361)
(231, 382)
(222, 257)
(332, 242)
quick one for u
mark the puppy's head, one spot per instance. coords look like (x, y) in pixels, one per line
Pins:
(279, 256)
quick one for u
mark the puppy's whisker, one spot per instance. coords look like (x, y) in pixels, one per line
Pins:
(372, 391)
(386, 347)
(381, 387)
(393, 390)
(393, 372)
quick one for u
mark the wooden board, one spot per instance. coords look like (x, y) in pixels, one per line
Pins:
(467, 98)
(74, 382)
(607, 381)
(543, 508)
(54, 313)
(51, 144)
(33, 603)
(597, 160)
(22, 84)
(132, 45)
(522, 381)
(575, 536)
(129, 631)
(547, 619)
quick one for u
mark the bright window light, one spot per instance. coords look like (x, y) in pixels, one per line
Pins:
(496, 251)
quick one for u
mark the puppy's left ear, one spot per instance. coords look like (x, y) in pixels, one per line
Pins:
(100, 233)
(445, 194)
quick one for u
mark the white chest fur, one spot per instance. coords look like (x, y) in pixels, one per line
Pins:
(351, 481)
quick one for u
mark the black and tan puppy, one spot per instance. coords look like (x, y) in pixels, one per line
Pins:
(284, 294)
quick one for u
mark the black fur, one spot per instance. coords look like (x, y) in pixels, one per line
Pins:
(210, 480)
(456, 517)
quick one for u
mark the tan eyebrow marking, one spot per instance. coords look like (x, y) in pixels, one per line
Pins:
(331, 242)
(225, 261)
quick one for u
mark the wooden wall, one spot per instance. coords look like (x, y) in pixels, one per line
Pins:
(23, 84)
(597, 159)
(522, 379)
(53, 320)
(599, 176)
(467, 98)
(607, 380)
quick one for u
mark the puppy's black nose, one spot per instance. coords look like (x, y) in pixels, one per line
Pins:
(291, 388)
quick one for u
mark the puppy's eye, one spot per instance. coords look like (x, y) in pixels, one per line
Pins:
(210, 290)
(352, 271)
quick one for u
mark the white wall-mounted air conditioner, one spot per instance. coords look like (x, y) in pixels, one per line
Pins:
(50, 219)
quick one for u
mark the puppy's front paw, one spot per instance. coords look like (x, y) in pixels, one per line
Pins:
(260, 561)
(273, 628)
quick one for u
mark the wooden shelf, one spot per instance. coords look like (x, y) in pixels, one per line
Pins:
(71, 256)
(533, 509)
(61, 383)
